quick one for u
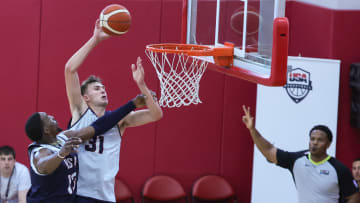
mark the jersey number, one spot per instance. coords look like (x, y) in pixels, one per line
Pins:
(72, 183)
(91, 146)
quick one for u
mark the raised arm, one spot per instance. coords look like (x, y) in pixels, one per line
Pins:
(153, 111)
(77, 104)
(265, 147)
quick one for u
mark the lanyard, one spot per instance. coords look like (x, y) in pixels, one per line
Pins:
(8, 185)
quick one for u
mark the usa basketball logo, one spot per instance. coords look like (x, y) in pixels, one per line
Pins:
(298, 84)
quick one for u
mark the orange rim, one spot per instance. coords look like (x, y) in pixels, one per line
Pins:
(189, 49)
(223, 56)
(192, 49)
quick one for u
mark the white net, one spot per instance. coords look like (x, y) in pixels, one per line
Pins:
(179, 76)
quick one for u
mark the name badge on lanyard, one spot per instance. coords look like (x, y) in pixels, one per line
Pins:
(8, 188)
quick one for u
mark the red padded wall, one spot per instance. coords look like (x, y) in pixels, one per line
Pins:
(237, 145)
(19, 54)
(346, 48)
(307, 27)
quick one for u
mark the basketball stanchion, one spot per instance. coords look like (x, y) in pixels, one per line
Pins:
(179, 73)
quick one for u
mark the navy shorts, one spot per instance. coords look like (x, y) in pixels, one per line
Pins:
(57, 199)
(81, 199)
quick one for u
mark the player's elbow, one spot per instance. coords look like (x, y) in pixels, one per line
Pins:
(69, 68)
(158, 115)
(270, 155)
(271, 160)
(42, 170)
(161, 114)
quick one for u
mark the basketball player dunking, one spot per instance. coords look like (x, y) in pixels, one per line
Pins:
(99, 157)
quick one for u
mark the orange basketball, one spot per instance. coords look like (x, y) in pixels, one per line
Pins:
(115, 19)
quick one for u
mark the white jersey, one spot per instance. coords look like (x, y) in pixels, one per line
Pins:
(328, 181)
(98, 161)
(20, 181)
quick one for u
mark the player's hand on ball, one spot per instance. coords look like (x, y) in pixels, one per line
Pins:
(115, 20)
(99, 34)
(247, 119)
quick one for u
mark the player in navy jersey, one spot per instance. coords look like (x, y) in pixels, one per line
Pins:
(319, 178)
(54, 163)
(100, 156)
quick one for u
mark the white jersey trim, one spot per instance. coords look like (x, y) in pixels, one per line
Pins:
(52, 148)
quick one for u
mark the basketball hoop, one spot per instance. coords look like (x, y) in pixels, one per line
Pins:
(179, 74)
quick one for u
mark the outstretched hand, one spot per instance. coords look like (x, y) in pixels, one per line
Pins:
(71, 145)
(138, 72)
(139, 100)
(247, 119)
(99, 34)
(153, 94)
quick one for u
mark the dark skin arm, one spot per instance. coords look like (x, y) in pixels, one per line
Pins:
(47, 161)
(264, 146)
(83, 134)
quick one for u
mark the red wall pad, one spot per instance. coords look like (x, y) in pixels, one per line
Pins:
(19, 54)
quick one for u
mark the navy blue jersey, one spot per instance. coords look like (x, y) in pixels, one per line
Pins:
(59, 186)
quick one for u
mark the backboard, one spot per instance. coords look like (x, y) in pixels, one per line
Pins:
(260, 55)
